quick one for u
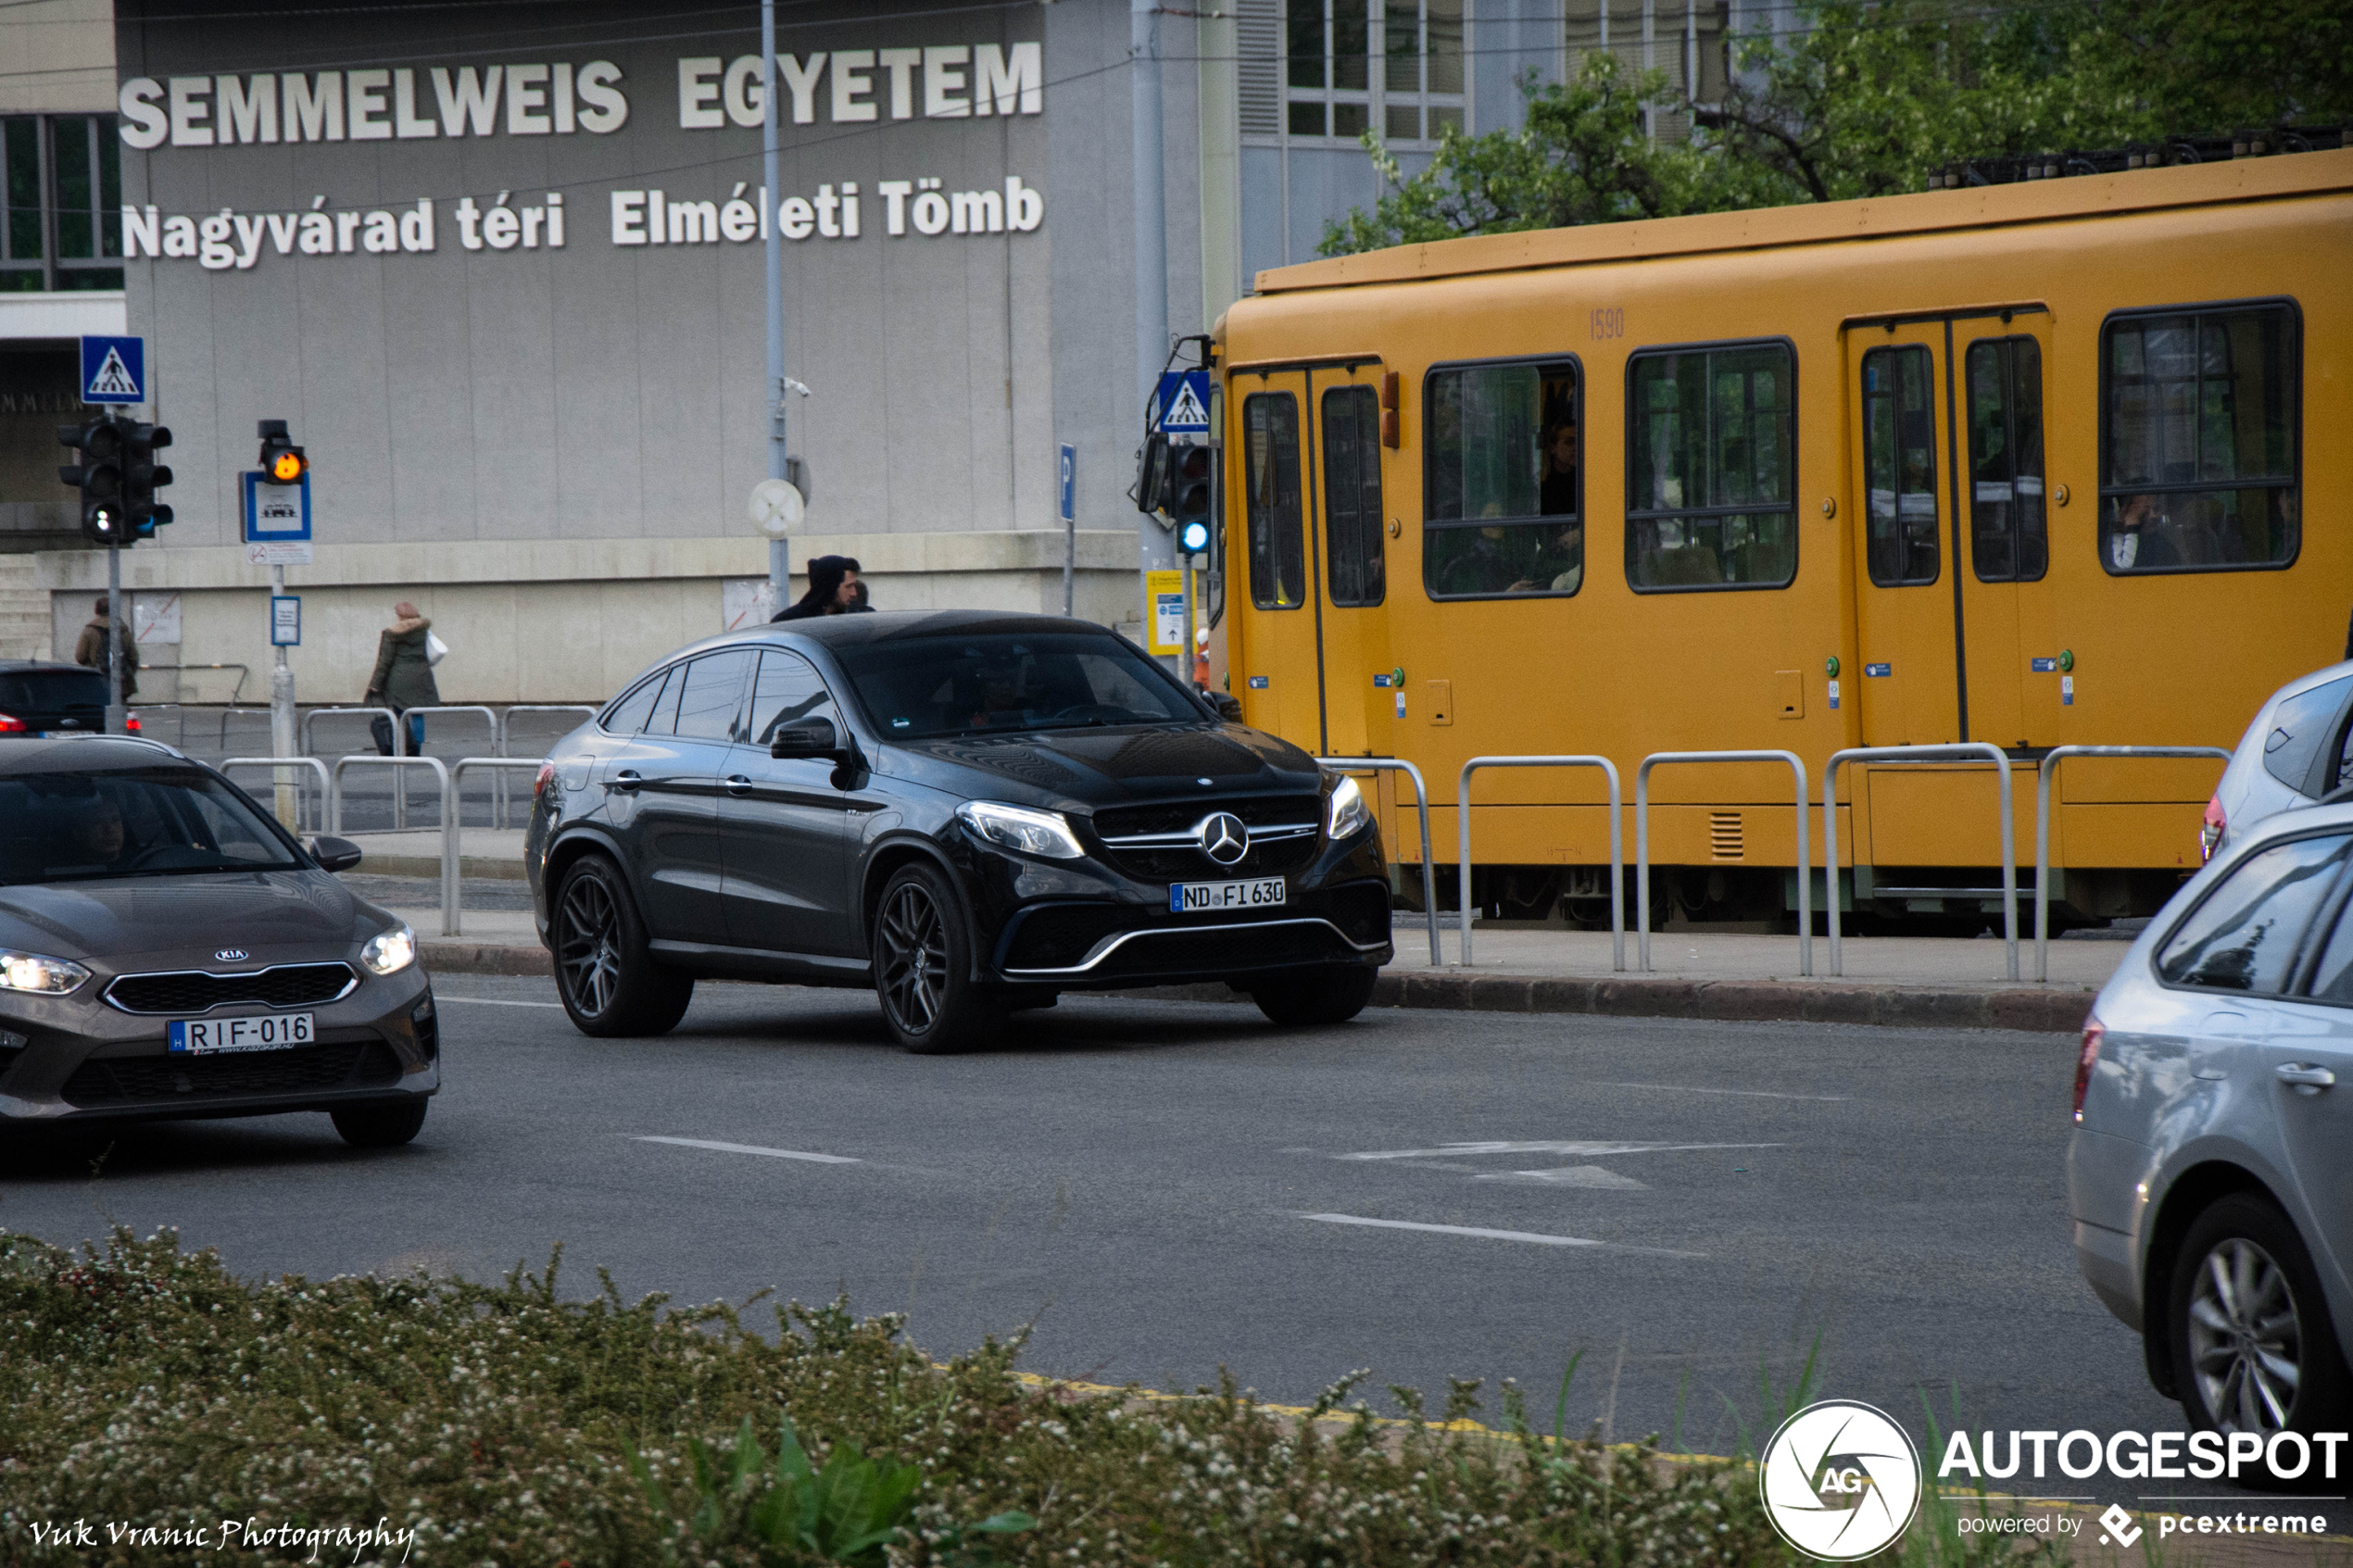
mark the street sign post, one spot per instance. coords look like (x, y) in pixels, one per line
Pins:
(1166, 625)
(277, 521)
(114, 369)
(1066, 486)
(277, 534)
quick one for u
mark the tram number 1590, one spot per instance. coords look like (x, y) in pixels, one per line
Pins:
(1606, 322)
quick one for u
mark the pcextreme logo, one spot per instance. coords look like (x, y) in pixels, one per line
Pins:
(1840, 1480)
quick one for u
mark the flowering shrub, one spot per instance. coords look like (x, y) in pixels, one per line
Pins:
(147, 1394)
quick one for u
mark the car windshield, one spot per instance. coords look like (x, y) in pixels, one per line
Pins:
(919, 686)
(138, 822)
(45, 691)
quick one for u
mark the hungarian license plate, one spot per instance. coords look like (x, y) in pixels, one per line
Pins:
(207, 1037)
(1192, 898)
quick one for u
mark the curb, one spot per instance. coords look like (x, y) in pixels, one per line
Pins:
(469, 867)
(1738, 1001)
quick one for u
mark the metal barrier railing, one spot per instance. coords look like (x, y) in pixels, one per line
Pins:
(1617, 844)
(1884, 756)
(289, 763)
(400, 731)
(498, 768)
(488, 714)
(506, 732)
(448, 815)
(1642, 847)
(244, 672)
(1421, 802)
(2043, 779)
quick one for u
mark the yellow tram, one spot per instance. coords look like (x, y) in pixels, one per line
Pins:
(2029, 464)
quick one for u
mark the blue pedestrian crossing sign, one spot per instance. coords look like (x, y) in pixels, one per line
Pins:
(114, 369)
(1182, 402)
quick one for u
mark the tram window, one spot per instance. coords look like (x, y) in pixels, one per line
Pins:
(2197, 455)
(1277, 553)
(1352, 495)
(1503, 485)
(2007, 542)
(1899, 464)
(1709, 466)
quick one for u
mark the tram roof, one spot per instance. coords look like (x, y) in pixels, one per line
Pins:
(2089, 195)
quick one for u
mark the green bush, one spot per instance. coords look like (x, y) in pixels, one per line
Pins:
(146, 1389)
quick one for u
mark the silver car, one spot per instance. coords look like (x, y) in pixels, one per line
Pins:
(2295, 753)
(2211, 1174)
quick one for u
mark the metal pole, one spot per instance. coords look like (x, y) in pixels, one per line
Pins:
(1070, 555)
(116, 712)
(779, 551)
(1152, 256)
(1185, 658)
(282, 739)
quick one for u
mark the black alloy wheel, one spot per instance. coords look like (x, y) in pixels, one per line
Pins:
(1330, 994)
(922, 966)
(2253, 1348)
(609, 981)
(381, 1126)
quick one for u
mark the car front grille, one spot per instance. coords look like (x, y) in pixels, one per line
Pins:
(1157, 843)
(1062, 936)
(1267, 812)
(196, 990)
(136, 1080)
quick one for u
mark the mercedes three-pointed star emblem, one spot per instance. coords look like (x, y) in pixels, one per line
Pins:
(1223, 838)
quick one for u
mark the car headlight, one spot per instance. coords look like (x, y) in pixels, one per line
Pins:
(389, 952)
(1346, 813)
(37, 971)
(1018, 827)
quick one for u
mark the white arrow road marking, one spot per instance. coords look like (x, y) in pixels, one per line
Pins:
(752, 1148)
(1568, 1176)
(1456, 1150)
(1483, 1233)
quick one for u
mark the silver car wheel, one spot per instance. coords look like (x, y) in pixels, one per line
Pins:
(586, 944)
(914, 959)
(2246, 1347)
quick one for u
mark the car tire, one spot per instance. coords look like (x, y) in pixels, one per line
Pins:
(923, 949)
(606, 974)
(1316, 996)
(381, 1126)
(2243, 1271)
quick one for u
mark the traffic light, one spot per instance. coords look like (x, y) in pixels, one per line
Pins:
(1188, 497)
(143, 476)
(281, 461)
(99, 478)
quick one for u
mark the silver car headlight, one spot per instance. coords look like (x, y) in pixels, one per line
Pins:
(1018, 827)
(389, 952)
(1346, 813)
(40, 973)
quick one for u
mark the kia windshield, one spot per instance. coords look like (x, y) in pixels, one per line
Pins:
(916, 687)
(146, 823)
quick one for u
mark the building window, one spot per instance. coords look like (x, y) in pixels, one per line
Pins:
(1709, 468)
(1899, 465)
(60, 227)
(2197, 450)
(1393, 66)
(1502, 493)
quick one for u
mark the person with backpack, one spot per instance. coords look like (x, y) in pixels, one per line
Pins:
(90, 648)
(403, 677)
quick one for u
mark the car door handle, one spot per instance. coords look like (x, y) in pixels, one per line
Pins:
(738, 784)
(626, 780)
(2308, 1080)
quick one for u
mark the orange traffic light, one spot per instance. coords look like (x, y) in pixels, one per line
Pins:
(286, 467)
(281, 461)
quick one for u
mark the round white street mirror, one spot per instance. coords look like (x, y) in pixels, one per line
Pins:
(776, 507)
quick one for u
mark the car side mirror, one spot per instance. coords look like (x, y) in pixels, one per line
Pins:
(334, 854)
(808, 738)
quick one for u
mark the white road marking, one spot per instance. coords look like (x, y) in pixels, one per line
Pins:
(1483, 1233)
(1592, 1176)
(498, 1002)
(1588, 1146)
(751, 1148)
(1744, 1094)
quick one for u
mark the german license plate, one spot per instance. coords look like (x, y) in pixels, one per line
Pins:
(208, 1036)
(1192, 897)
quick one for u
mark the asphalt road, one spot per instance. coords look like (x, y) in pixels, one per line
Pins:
(1164, 1188)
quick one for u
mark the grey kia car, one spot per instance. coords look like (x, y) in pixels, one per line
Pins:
(168, 950)
(970, 812)
(2210, 1173)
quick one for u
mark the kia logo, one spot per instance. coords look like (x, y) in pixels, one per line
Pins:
(230, 955)
(1223, 837)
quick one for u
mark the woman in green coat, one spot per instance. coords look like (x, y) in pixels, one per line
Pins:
(403, 677)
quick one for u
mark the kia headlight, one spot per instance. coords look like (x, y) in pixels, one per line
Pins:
(1018, 827)
(1346, 812)
(389, 952)
(39, 973)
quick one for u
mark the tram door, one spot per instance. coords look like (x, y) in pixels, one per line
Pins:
(1309, 454)
(1953, 535)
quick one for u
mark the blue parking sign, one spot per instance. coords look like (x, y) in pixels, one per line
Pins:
(114, 369)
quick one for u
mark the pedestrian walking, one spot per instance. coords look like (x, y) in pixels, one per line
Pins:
(832, 590)
(403, 677)
(90, 648)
